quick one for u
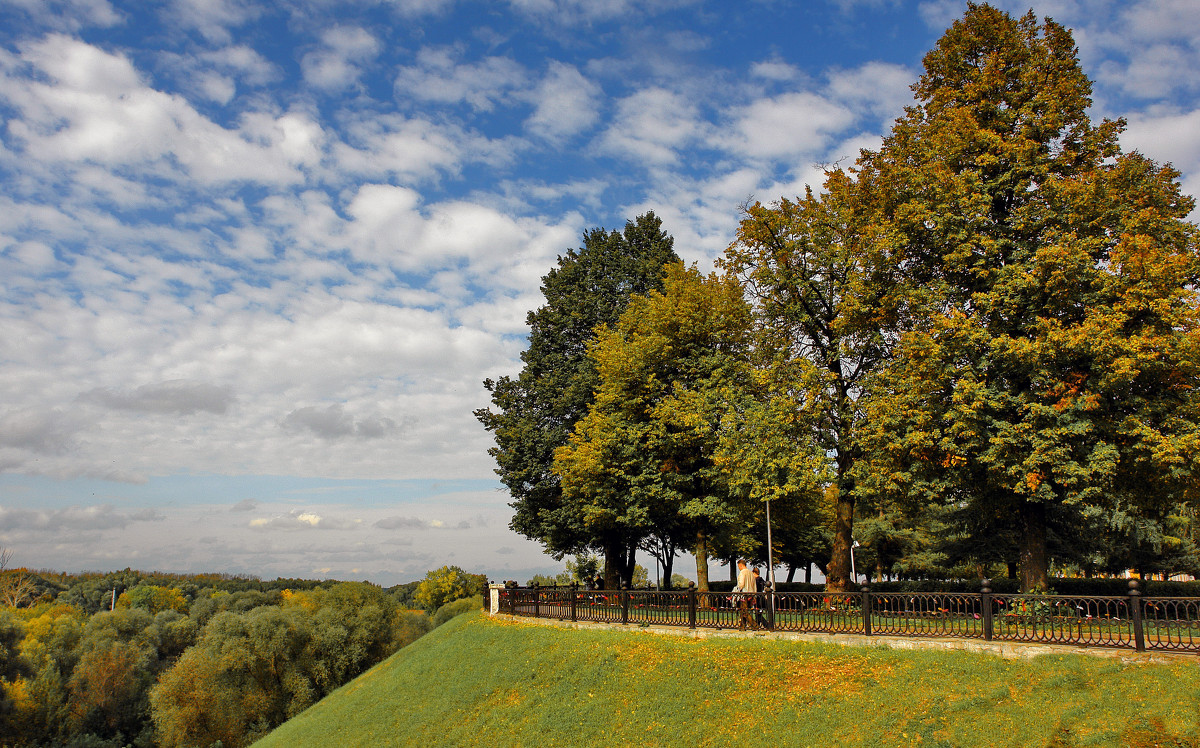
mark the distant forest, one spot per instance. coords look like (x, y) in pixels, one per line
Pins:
(129, 658)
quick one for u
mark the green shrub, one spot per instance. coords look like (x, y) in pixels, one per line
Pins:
(456, 608)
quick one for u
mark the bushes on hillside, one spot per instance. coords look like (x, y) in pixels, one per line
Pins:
(446, 585)
(457, 608)
(231, 658)
(250, 672)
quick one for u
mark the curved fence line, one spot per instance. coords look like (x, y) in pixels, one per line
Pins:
(1169, 624)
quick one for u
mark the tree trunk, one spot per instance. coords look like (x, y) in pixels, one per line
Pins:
(791, 573)
(733, 570)
(1035, 573)
(837, 579)
(808, 574)
(614, 555)
(701, 561)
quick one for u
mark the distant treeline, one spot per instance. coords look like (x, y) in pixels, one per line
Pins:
(141, 659)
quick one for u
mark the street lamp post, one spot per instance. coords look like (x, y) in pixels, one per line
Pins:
(853, 573)
(770, 566)
(770, 560)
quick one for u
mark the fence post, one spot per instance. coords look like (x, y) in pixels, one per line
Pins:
(770, 606)
(985, 602)
(537, 601)
(1135, 607)
(866, 610)
(691, 605)
(624, 603)
(574, 598)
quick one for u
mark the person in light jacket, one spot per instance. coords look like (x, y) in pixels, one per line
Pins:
(743, 594)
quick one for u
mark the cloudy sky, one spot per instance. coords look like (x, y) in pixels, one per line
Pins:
(256, 257)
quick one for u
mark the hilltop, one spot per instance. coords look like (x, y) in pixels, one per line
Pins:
(477, 681)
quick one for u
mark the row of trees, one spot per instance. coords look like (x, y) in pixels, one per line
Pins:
(979, 344)
(177, 660)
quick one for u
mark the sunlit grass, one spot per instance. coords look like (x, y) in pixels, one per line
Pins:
(480, 682)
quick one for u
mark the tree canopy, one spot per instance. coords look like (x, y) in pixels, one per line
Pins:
(644, 459)
(1047, 353)
(979, 344)
(533, 413)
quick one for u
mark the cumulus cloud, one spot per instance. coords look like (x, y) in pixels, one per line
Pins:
(787, 125)
(178, 397)
(100, 517)
(212, 18)
(574, 12)
(565, 104)
(95, 107)
(402, 523)
(298, 519)
(776, 70)
(337, 64)
(44, 432)
(441, 77)
(653, 125)
(333, 422)
(245, 505)
(69, 15)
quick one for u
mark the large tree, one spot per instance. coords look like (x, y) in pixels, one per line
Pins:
(643, 460)
(821, 307)
(1049, 354)
(534, 412)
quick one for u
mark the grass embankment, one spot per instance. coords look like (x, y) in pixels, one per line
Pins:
(478, 682)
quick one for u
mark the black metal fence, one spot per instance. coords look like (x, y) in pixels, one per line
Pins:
(1169, 624)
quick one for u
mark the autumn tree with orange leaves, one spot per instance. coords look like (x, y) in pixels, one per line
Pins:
(1048, 353)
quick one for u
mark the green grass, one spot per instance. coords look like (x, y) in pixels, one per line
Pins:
(478, 682)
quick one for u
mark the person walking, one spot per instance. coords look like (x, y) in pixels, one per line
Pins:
(760, 598)
(743, 593)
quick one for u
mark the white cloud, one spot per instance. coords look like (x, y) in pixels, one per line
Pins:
(337, 64)
(71, 518)
(565, 104)
(212, 18)
(776, 70)
(333, 422)
(96, 109)
(787, 125)
(179, 397)
(654, 126)
(408, 148)
(876, 88)
(70, 15)
(299, 519)
(572, 12)
(441, 77)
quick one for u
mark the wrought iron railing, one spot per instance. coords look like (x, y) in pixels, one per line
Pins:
(1131, 621)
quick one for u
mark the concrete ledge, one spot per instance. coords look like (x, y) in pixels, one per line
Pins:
(1006, 649)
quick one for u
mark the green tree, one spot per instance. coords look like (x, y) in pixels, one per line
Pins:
(251, 671)
(642, 461)
(534, 413)
(821, 304)
(153, 598)
(446, 585)
(12, 664)
(1048, 355)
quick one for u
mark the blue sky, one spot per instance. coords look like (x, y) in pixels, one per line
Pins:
(257, 257)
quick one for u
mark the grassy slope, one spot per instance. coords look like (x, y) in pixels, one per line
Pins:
(491, 683)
